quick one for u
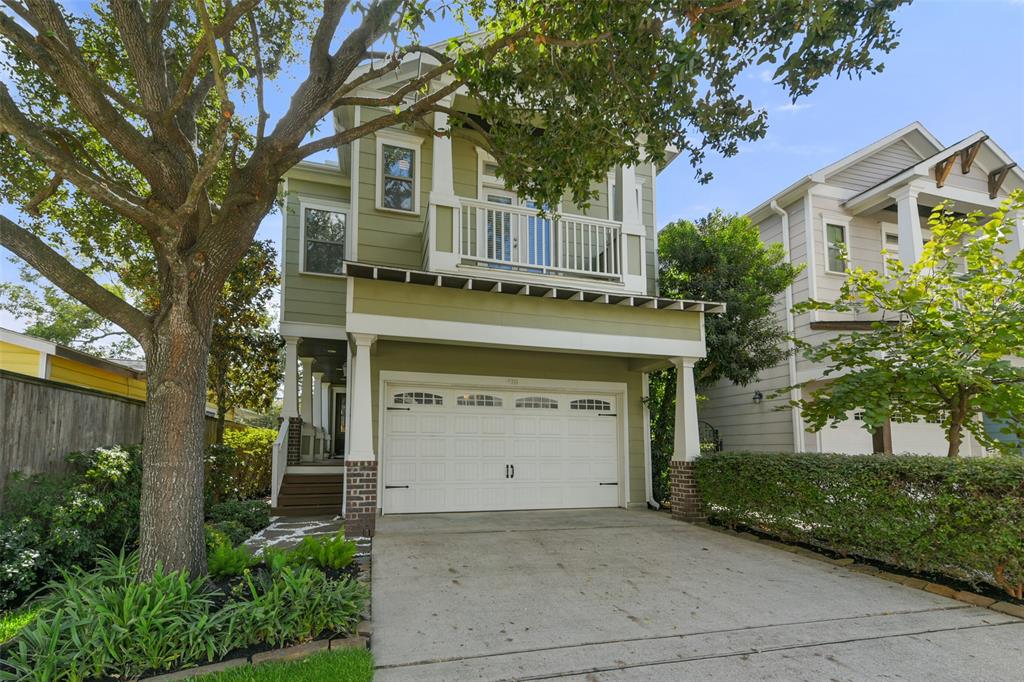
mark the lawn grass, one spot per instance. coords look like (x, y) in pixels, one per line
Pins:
(347, 665)
(11, 623)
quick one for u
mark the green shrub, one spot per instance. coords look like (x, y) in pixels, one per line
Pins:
(254, 515)
(963, 518)
(326, 552)
(106, 623)
(274, 558)
(297, 604)
(225, 561)
(240, 468)
(235, 532)
(64, 518)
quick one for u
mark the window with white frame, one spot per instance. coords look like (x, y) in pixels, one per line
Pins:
(835, 245)
(323, 234)
(398, 172)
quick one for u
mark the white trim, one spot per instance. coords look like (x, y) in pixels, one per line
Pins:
(617, 389)
(530, 338)
(313, 330)
(414, 143)
(810, 250)
(885, 229)
(352, 251)
(645, 394)
(44, 365)
(321, 205)
(794, 393)
(839, 221)
(26, 341)
(284, 246)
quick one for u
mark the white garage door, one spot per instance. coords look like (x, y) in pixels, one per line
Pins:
(848, 438)
(462, 448)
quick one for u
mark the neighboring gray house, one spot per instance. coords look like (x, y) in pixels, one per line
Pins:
(879, 196)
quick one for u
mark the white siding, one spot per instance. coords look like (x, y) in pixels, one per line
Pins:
(871, 170)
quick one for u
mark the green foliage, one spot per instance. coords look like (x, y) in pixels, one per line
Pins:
(721, 258)
(945, 330)
(274, 558)
(225, 561)
(250, 469)
(233, 531)
(296, 604)
(13, 622)
(254, 515)
(326, 552)
(960, 518)
(215, 538)
(245, 366)
(346, 665)
(55, 521)
(107, 623)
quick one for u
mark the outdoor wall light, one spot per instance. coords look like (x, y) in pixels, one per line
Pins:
(758, 397)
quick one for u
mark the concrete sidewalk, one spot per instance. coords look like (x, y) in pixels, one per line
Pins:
(617, 595)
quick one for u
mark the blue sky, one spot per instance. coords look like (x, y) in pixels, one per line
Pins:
(959, 68)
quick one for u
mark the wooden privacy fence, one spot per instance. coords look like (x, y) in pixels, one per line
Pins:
(43, 420)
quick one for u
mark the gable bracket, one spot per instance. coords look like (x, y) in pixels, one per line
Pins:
(996, 177)
(942, 169)
(968, 153)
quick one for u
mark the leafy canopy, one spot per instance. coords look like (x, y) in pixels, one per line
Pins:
(947, 338)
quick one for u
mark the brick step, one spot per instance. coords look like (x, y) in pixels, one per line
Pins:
(313, 510)
(291, 488)
(303, 500)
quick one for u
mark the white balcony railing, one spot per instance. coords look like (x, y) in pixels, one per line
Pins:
(278, 461)
(518, 238)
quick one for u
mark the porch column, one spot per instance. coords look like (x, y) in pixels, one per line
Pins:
(325, 412)
(290, 405)
(1016, 244)
(686, 503)
(442, 176)
(909, 221)
(361, 462)
(306, 407)
(316, 412)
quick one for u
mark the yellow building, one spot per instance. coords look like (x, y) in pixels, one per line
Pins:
(35, 357)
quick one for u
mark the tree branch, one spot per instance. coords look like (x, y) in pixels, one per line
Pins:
(262, 115)
(107, 192)
(76, 283)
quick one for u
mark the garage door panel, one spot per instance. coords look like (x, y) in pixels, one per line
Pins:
(463, 449)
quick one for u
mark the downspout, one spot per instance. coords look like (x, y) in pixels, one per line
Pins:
(794, 394)
(645, 392)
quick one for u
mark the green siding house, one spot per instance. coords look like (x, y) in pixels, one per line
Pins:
(451, 348)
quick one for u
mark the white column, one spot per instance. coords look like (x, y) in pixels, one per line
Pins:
(630, 210)
(325, 410)
(290, 406)
(1016, 244)
(306, 399)
(686, 445)
(911, 237)
(442, 176)
(361, 420)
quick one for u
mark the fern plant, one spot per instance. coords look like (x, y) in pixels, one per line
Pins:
(225, 561)
(326, 552)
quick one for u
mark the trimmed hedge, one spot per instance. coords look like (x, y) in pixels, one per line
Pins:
(962, 518)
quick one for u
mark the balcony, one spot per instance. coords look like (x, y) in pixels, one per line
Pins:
(518, 238)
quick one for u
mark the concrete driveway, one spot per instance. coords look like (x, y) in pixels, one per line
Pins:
(617, 595)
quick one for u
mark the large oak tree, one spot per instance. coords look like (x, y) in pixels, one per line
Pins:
(120, 138)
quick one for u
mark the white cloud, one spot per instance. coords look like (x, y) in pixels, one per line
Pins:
(794, 107)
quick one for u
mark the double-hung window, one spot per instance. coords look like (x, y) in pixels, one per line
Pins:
(398, 172)
(835, 245)
(323, 234)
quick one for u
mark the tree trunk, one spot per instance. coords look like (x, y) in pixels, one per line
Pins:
(881, 439)
(171, 510)
(956, 425)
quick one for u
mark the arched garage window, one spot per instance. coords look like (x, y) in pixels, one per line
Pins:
(591, 404)
(537, 402)
(478, 400)
(418, 398)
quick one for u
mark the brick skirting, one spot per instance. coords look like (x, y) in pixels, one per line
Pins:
(360, 498)
(294, 439)
(686, 503)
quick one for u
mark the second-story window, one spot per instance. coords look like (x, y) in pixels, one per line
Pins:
(324, 236)
(835, 236)
(398, 179)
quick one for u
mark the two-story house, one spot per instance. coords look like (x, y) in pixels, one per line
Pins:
(877, 198)
(452, 348)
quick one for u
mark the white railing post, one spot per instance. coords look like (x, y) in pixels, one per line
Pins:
(278, 455)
